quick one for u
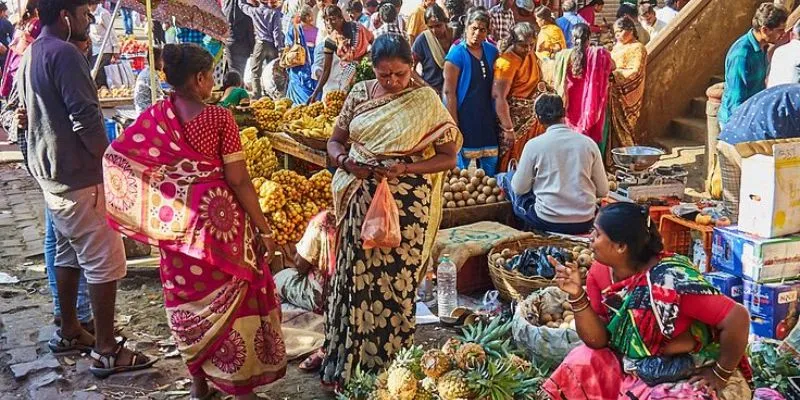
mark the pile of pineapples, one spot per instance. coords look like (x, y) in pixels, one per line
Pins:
(480, 364)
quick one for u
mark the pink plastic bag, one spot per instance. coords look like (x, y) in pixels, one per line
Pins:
(381, 226)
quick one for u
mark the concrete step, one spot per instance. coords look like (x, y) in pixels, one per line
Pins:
(672, 144)
(698, 106)
(690, 128)
(688, 153)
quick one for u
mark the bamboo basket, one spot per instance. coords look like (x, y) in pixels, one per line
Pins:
(514, 286)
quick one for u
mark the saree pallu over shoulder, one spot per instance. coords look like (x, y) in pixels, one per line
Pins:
(161, 191)
(408, 123)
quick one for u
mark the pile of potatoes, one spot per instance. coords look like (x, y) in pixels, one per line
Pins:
(544, 309)
(469, 187)
(612, 183)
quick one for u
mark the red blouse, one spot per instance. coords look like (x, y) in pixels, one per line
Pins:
(214, 133)
(710, 310)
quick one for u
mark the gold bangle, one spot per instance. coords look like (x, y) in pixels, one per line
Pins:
(585, 306)
(266, 235)
(714, 370)
(581, 297)
(729, 372)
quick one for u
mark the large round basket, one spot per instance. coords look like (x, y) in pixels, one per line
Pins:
(514, 286)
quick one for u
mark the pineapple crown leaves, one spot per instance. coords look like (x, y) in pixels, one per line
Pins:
(495, 380)
(359, 387)
(410, 358)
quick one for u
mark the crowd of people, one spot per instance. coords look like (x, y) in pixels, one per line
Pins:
(506, 85)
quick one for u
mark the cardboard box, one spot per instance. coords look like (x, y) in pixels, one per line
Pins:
(769, 200)
(729, 285)
(773, 308)
(755, 258)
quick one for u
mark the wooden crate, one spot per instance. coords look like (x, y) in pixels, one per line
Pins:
(500, 212)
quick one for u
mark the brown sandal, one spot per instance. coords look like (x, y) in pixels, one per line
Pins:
(139, 361)
(313, 362)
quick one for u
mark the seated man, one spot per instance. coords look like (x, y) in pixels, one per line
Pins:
(767, 117)
(560, 175)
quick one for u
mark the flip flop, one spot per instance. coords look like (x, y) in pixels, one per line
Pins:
(109, 362)
(60, 344)
(313, 362)
(457, 317)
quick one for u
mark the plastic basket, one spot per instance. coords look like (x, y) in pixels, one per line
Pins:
(677, 235)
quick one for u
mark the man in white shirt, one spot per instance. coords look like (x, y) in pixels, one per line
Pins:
(670, 10)
(560, 172)
(97, 31)
(785, 67)
(649, 21)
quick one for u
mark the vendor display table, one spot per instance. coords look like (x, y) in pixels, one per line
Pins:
(113, 103)
(283, 143)
(498, 212)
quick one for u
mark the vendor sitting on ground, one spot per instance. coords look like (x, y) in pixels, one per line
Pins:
(233, 91)
(644, 305)
(560, 175)
(770, 115)
(306, 285)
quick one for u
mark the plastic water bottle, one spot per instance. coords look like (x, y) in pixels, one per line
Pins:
(446, 289)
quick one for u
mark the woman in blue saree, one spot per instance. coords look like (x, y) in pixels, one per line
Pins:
(301, 84)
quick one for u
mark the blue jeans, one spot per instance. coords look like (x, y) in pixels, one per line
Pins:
(84, 304)
(488, 164)
(127, 20)
(524, 208)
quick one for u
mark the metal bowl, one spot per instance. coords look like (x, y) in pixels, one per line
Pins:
(637, 158)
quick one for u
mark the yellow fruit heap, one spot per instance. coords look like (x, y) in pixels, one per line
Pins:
(290, 200)
(267, 117)
(333, 102)
(260, 159)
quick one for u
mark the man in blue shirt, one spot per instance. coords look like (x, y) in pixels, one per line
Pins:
(569, 19)
(746, 63)
(269, 37)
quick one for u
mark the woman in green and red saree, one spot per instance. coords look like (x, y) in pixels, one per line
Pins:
(652, 327)
(177, 179)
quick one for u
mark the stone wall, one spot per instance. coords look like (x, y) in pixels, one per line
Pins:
(682, 61)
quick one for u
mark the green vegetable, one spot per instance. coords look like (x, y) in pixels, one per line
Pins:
(364, 70)
(772, 369)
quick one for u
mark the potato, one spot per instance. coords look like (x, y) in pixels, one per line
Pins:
(506, 253)
(461, 203)
(566, 306)
(485, 180)
(583, 271)
(569, 318)
(586, 251)
(567, 313)
(470, 188)
(458, 196)
(501, 196)
(495, 190)
(474, 196)
(487, 190)
(448, 196)
(501, 262)
(491, 199)
(494, 256)
(464, 173)
(456, 171)
(451, 204)
(492, 182)
(547, 318)
(563, 325)
(471, 202)
(446, 187)
(465, 194)
(480, 173)
(552, 325)
(481, 198)
(612, 186)
(453, 181)
(584, 260)
(475, 181)
(577, 249)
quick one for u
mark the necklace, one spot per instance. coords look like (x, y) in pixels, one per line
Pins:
(483, 69)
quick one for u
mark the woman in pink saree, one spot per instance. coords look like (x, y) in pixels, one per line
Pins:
(28, 29)
(582, 79)
(177, 179)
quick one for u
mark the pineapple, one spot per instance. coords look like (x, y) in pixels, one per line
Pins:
(450, 347)
(495, 380)
(423, 394)
(381, 394)
(470, 356)
(402, 383)
(359, 386)
(453, 385)
(428, 384)
(519, 363)
(489, 337)
(409, 358)
(435, 363)
(382, 380)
